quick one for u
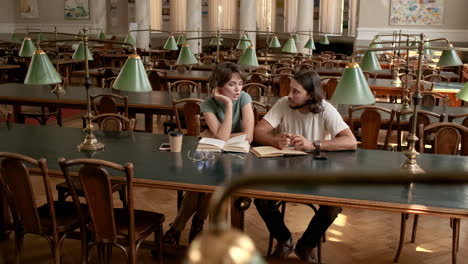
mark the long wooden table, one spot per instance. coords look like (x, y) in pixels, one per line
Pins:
(176, 171)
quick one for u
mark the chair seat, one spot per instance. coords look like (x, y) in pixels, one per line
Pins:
(145, 222)
(66, 217)
(63, 187)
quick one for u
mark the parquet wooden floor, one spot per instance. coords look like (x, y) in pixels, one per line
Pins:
(357, 236)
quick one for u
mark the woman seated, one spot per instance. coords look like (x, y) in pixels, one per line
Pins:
(228, 113)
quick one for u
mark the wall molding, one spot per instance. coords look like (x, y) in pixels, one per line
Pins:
(454, 35)
(66, 28)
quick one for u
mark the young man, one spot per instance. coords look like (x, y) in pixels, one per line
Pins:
(307, 122)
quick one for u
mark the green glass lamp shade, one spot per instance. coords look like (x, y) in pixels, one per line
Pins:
(80, 53)
(41, 70)
(463, 94)
(249, 58)
(27, 48)
(310, 44)
(352, 87)
(369, 62)
(428, 52)
(376, 45)
(102, 36)
(290, 46)
(186, 56)
(130, 40)
(274, 43)
(132, 77)
(324, 40)
(16, 38)
(296, 38)
(171, 44)
(243, 43)
(216, 41)
(181, 40)
(449, 58)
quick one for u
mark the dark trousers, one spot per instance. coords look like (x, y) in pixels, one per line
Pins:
(274, 221)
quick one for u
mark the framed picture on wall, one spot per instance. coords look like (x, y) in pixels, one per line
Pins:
(416, 12)
(76, 9)
(28, 9)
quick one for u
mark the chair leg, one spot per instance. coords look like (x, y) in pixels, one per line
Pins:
(180, 197)
(123, 196)
(270, 245)
(59, 117)
(404, 217)
(62, 196)
(455, 239)
(19, 236)
(415, 228)
(319, 252)
(158, 240)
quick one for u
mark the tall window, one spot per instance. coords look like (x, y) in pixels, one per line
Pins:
(156, 14)
(290, 15)
(222, 14)
(266, 15)
(331, 17)
(178, 15)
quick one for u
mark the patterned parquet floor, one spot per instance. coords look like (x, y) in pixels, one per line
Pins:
(357, 236)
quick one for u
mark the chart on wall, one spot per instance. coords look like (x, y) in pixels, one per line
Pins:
(76, 9)
(416, 12)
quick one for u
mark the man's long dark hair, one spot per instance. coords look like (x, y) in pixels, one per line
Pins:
(310, 80)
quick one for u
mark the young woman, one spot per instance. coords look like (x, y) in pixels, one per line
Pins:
(228, 113)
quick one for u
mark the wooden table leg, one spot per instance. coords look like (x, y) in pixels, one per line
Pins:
(149, 122)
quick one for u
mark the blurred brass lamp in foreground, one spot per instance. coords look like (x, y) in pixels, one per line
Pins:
(354, 89)
(132, 78)
(222, 245)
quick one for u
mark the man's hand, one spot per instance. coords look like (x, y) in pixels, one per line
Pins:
(283, 140)
(301, 143)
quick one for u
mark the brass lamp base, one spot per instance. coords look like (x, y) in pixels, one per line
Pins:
(411, 166)
(90, 143)
(58, 89)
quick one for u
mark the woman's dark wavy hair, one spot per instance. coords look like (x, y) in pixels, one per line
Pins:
(310, 80)
(223, 73)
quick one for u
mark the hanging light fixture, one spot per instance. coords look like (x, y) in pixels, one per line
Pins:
(274, 43)
(290, 46)
(41, 70)
(369, 62)
(27, 48)
(186, 56)
(310, 44)
(249, 57)
(243, 42)
(171, 44)
(449, 58)
(353, 87)
(79, 53)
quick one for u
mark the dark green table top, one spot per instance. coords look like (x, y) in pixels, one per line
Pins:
(176, 171)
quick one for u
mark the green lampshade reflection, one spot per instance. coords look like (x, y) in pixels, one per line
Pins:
(310, 44)
(369, 62)
(463, 94)
(181, 40)
(80, 53)
(296, 38)
(16, 37)
(249, 58)
(171, 44)
(102, 36)
(186, 56)
(130, 40)
(324, 40)
(132, 77)
(27, 48)
(274, 43)
(290, 46)
(449, 58)
(428, 52)
(41, 70)
(243, 42)
(352, 87)
(216, 41)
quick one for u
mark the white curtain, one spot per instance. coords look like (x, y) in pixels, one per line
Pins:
(331, 17)
(352, 17)
(266, 15)
(222, 15)
(156, 14)
(178, 15)
(290, 15)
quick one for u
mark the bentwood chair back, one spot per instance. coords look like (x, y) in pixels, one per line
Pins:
(184, 87)
(258, 78)
(256, 107)
(329, 85)
(256, 89)
(158, 79)
(112, 226)
(434, 99)
(464, 139)
(112, 122)
(192, 115)
(53, 220)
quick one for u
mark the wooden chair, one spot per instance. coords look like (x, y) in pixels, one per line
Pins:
(464, 139)
(423, 118)
(371, 120)
(158, 79)
(423, 85)
(436, 78)
(305, 66)
(329, 64)
(54, 220)
(184, 86)
(256, 106)
(108, 82)
(109, 103)
(162, 64)
(207, 59)
(192, 115)
(434, 99)
(181, 68)
(112, 226)
(445, 139)
(329, 85)
(285, 70)
(112, 122)
(283, 81)
(258, 78)
(256, 89)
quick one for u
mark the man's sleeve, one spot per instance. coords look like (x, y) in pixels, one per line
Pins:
(275, 115)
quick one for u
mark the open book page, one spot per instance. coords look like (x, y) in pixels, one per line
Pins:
(235, 144)
(269, 151)
(211, 144)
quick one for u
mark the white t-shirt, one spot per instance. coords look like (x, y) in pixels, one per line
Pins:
(321, 126)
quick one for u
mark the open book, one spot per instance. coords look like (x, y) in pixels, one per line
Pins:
(235, 144)
(269, 151)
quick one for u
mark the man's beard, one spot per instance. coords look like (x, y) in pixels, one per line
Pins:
(298, 106)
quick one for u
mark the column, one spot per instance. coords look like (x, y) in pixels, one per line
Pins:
(142, 18)
(99, 19)
(305, 22)
(194, 23)
(248, 17)
(290, 15)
